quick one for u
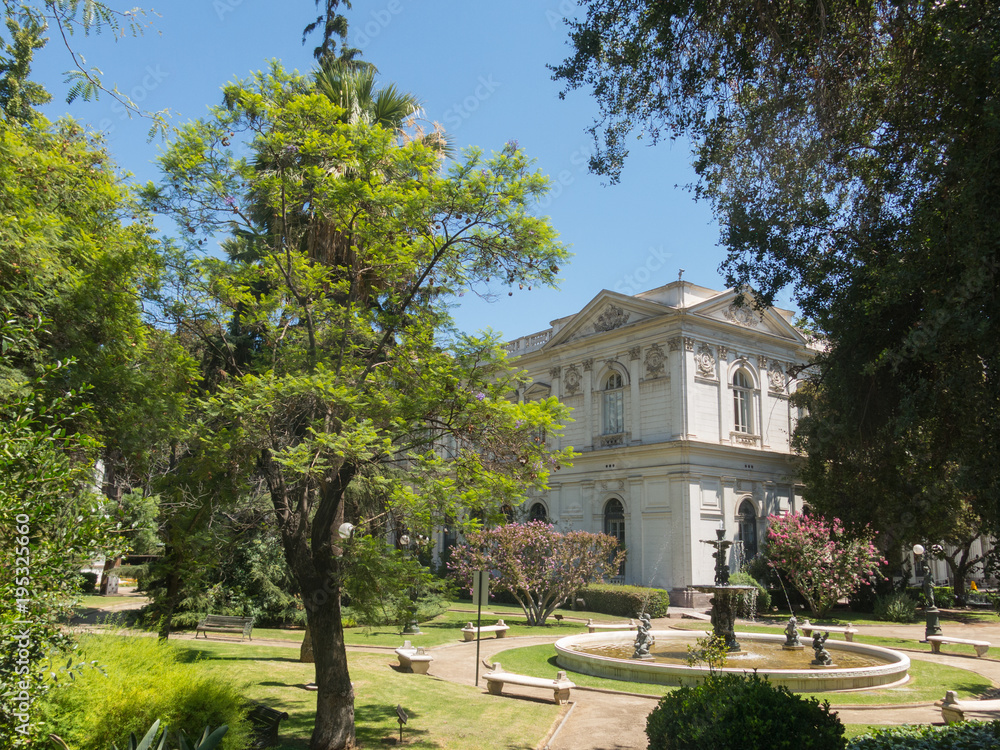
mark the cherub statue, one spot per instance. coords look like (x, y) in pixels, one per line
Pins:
(792, 633)
(822, 656)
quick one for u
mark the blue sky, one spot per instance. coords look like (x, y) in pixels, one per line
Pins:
(479, 69)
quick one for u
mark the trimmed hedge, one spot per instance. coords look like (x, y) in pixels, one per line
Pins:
(741, 712)
(625, 601)
(969, 735)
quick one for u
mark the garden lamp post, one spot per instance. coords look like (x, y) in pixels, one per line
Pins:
(933, 626)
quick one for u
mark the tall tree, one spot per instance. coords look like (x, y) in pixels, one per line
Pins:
(850, 150)
(344, 361)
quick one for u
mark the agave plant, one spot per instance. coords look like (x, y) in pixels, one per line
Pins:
(208, 740)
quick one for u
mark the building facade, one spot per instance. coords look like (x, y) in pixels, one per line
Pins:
(682, 423)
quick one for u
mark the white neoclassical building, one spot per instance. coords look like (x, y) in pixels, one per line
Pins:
(682, 423)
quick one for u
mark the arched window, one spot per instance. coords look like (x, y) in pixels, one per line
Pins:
(743, 402)
(748, 530)
(614, 405)
(538, 513)
(614, 525)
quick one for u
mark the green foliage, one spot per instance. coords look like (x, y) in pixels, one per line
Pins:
(209, 739)
(761, 602)
(329, 354)
(847, 150)
(710, 649)
(28, 20)
(88, 582)
(625, 601)
(944, 596)
(897, 606)
(50, 527)
(741, 712)
(141, 680)
(386, 585)
(969, 735)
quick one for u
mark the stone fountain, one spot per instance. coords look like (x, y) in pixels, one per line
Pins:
(619, 656)
(726, 597)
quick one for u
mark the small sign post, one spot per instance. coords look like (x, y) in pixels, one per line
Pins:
(480, 595)
(401, 717)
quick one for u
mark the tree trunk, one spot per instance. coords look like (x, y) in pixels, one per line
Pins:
(334, 728)
(109, 579)
(173, 597)
(306, 649)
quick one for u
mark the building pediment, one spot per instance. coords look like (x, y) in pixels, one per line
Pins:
(608, 311)
(724, 308)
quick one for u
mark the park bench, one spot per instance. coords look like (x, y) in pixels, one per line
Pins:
(560, 686)
(469, 631)
(265, 721)
(936, 640)
(845, 630)
(595, 626)
(414, 659)
(223, 624)
(953, 710)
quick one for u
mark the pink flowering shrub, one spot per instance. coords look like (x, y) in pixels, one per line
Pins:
(539, 566)
(820, 559)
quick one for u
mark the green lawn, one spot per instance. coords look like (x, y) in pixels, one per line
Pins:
(441, 714)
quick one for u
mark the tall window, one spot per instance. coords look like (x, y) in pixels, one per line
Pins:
(748, 530)
(614, 525)
(614, 405)
(743, 401)
(538, 513)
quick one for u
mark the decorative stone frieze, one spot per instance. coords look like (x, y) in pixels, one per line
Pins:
(613, 317)
(776, 378)
(571, 381)
(655, 361)
(741, 316)
(705, 362)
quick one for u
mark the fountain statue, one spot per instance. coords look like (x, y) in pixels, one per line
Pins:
(821, 657)
(792, 642)
(643, 640)
(726, 597)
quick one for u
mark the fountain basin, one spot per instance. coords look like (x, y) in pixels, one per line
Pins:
(891, 667)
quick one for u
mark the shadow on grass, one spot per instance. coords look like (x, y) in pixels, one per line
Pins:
(188, 655)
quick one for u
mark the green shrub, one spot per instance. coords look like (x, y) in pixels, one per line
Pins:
(88, 583)
(761, 602)
(139, 681)
(969, 735)
(944, 596)
(895, 607)
(741, 712)
(625, 601)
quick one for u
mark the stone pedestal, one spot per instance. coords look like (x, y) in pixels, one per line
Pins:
(933, 622)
